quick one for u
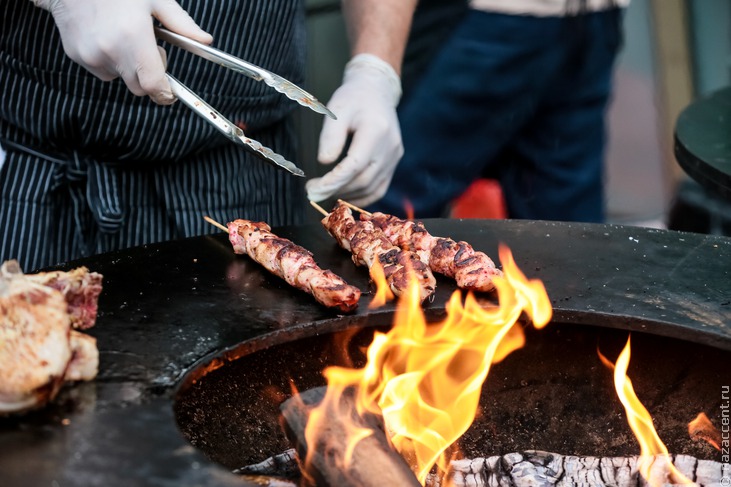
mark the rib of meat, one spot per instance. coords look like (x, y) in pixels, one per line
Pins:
(39, 350)
(368, 244)
(292, 263)
(79, 287)
(458, 260)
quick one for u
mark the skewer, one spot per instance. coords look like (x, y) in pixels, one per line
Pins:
(353, 207)
(368, 245)
(215, 223)
(319, 208)
(458, 260)
(278, 256)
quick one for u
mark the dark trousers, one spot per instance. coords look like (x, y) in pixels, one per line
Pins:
(517, 98)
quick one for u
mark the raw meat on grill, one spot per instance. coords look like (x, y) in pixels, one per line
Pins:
(470, 269)
(368, 244)
(292, 263)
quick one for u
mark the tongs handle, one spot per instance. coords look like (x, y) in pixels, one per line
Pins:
(282, 85)
(211, 54)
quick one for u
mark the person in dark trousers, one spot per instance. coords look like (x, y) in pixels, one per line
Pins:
(518, 93)
(100, 158)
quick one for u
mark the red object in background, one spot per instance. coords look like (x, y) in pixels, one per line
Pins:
(482, 199)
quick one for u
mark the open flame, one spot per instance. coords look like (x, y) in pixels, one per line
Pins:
(425, 379)
(651, 446)
(383, 291)
(701, 428)
(409, 209)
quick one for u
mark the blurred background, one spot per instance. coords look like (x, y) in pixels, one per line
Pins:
(675, 52)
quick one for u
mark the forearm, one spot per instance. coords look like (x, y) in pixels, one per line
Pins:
(379, 27)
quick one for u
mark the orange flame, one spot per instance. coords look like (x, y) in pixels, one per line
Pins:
(409, 209)
(426, 379)
(640, 422)
(701, 428)
(383, 290)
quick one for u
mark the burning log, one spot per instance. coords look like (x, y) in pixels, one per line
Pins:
(331, 460)
(544, 469)
(538, 468)
(282, 465)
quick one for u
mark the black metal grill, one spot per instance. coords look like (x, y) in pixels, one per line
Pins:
(170, 308)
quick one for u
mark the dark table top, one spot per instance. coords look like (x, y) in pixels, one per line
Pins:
(166, 308)
(703, 141)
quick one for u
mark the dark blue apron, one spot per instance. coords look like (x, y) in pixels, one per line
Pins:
(92, 168)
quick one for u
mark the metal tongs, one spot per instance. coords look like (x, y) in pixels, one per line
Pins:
(221, 123)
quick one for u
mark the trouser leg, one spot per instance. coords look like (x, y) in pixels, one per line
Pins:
(554, 167)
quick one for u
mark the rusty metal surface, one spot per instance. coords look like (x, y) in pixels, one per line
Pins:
(165, 308)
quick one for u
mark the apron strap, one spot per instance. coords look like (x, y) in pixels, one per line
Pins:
(103, 194)
(93, 186)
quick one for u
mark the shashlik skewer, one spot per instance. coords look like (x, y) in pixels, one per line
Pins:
(471, 269)
(368, 245)
(291, 262)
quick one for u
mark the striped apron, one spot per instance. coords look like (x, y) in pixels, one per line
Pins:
(91, 168)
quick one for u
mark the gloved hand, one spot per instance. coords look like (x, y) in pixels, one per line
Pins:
(365, 105)
(114, 38)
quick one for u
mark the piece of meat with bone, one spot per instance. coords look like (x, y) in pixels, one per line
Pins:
(292, 263)
(470, 269)
(39, 350)
(367, 243)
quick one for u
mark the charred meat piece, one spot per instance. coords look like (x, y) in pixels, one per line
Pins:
(293, 263)
(367, 243)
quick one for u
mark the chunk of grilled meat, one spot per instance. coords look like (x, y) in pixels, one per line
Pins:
(470, 269)
(79, 287)
(39, 350)
(368, 244)
(293, 263)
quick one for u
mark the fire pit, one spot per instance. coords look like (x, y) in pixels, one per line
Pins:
(190, 314)
(553, 394)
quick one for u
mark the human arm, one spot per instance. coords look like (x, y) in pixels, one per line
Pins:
(379, 27)
(365, 104)
(111, 39)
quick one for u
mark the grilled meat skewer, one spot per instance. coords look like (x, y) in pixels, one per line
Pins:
(292, 263)
(470, 269)
(368, 244)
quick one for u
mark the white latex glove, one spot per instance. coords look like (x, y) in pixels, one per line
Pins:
(114, 38)
(365, 105)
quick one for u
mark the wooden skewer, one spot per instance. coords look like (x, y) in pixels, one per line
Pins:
(353, 207)
(215, 223)
(319, 208)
